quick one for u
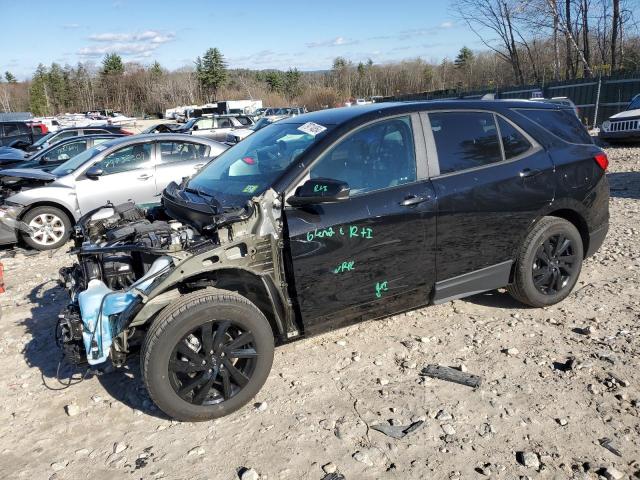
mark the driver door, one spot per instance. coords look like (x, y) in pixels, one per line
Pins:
(128, 174)
(373, 254)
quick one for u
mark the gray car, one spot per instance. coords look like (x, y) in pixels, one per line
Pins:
(41, 207)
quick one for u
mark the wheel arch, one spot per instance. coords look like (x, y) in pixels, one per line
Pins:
(49, 203)
(258, 289)
(577, 220)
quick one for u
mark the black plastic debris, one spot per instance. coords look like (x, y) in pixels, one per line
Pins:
(606, 443)
(452, 375)
(334, 476)
(397, 431)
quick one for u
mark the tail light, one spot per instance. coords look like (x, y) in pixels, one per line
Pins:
(602, 160)
(1, 278)
(249, 160)
(125, 132)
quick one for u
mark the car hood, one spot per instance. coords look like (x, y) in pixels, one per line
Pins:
(10, 153)
(30, 173)
(626, 115)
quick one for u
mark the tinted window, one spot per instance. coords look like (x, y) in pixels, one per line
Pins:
(244, 120)
(465, 140)
(513, 141)
(562, 123)
(224, 123)
(181, 151)
(125, 159)
(378, 156)
(11, 129)
(26, 129)
(63, 135)
(95, 132)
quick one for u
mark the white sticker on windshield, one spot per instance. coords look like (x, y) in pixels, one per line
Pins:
(312, 128)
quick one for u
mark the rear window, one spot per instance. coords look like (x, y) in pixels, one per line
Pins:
(562, 123)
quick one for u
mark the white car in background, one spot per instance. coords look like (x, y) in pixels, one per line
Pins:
(240, 134)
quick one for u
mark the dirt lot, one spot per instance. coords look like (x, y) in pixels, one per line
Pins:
(557, 381)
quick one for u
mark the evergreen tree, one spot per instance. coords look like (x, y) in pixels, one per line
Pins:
(464, 58)
(211, 71)
(38, 92)
(112, 65)
(156, 70)
(58, 88)
(9, 77)
(275, 81)
(292, 80)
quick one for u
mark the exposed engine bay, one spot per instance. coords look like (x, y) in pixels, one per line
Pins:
(128, 257)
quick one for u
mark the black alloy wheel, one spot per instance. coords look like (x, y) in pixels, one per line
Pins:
(554, 264)
(212, 363)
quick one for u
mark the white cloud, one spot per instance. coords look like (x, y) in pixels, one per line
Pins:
(334, 42)
(446, 24)
(137, 44)
(152, 36)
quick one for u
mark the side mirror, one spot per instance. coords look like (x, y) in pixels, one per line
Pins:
(195, 127)
(94, 173)
(318, 191)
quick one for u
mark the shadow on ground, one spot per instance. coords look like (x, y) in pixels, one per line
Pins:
(124, 385)
(495, 299)
(624, 184)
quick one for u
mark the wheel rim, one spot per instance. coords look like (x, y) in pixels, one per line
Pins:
(212, 363)
(46, 229)
(554, 264)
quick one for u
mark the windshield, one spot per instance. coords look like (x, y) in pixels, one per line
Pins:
(635, 103)
(250, 167)
(76, 162)
(43, 140)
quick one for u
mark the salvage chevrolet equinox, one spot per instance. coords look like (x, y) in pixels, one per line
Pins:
(326, 219)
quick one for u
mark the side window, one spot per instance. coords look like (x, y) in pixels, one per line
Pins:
(26, 129)
(513, 141)
(465, 140)
(562, 123)
(11, 129)
(243, 120)
(379, 156)
(204, 123)
(181, 151)
(224, 123)
(63, 135)
(66, 151)
(98, 141)
(126, 159)
(95, 132)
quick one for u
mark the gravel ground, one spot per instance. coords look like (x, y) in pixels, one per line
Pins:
(557, 383)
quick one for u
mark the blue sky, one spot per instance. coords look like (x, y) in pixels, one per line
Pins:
(250, 33)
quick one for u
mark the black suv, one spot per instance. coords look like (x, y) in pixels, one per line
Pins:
(327, 219)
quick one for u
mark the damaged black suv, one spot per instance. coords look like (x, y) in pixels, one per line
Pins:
(327, 219)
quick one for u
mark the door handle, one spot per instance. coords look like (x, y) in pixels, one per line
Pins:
(530, 172)
(145, 176)
(413, 200)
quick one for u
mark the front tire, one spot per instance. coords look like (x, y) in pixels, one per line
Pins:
(548, 264)
(207, 355)
(50, 228)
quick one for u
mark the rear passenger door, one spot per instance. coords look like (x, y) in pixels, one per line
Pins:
(223, 126)
(178, 159)
(203, 127)
(492, 181)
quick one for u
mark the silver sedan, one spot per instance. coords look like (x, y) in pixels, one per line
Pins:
(42, 207)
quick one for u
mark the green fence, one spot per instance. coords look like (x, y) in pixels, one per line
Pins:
(597, 98)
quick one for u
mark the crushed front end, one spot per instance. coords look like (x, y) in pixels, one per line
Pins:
(133, 261)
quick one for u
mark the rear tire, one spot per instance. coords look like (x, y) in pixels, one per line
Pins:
(51, 228)
(207, 355)
(548, 263)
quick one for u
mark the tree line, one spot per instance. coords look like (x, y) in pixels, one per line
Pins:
(526, 42)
